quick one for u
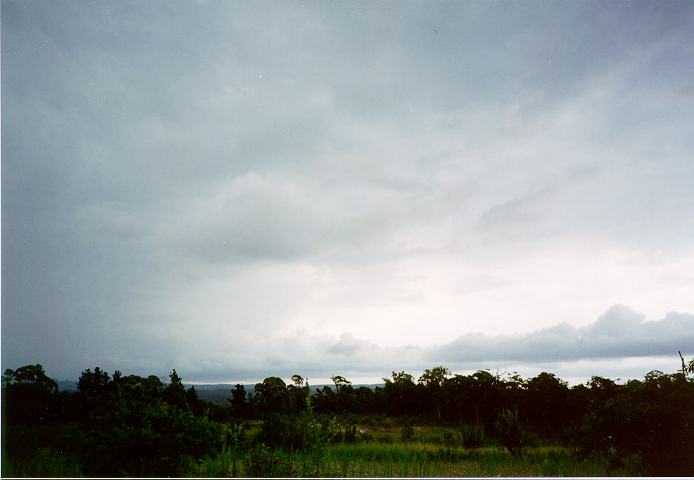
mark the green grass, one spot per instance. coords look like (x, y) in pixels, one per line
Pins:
(384, 455)
(412, 459)
(225, 464)
(417, 459)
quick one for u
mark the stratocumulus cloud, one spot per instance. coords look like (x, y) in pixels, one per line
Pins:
(620, 332)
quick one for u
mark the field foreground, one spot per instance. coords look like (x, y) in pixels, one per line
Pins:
(476, 425)
(426, 455)
(405, 460)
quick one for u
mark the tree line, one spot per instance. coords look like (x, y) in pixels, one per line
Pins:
(134, 425)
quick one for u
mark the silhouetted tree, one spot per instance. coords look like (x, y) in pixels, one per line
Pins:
(325, 401)
(33, 375)
(364, 400)
(400, 394)
(343, 393)
(271, 395)
(546, 403)
(651, 418)
(29, 394)
(193, 401)
(175, 392)
(146, 430)
(296, 394)
(95, 387)
(433, 381)
(239, 407)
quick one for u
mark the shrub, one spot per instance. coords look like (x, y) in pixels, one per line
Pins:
(302, 432)
(155, 439)
(510, 432)
(264, 462)
(363, 434)
(350, 435)
(407, 431)
(236, 436)
(472, 436)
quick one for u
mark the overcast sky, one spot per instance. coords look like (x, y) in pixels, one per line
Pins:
(243, 189)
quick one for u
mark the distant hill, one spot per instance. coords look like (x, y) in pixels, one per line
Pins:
(67, 385)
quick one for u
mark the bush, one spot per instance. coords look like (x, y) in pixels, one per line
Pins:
(302, 432)
(224, 464)
(264, 462)
(147, 440)
(350, 435)
(448, 439)
(472, 436)
(510, 432)
(651, 420)
(236, 436)
(407, 431)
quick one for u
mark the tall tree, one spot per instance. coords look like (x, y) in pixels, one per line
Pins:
(94, 386)
(547, 402)
(400, 394)
(297, 392)
(433, 381)
(343, 390)
(238, 401)
(29, 394)
(271, 395)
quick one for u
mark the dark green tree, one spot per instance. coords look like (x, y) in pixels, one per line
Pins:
(343, 393)
(239, 406)
(95, 387)
(433, 381)
(296, 394)
(29, 395)
(400, 394)
(547, 403)
(33, 375)
(193, 401)
(175, 392)
(145, 431)
(271, 395)
(325, 400)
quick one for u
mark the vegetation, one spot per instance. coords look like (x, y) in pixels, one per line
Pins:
(439, 425)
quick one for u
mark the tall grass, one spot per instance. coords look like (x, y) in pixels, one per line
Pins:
(410, 459)
(426, 460)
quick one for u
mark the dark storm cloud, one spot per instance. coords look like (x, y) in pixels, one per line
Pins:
(170, 168)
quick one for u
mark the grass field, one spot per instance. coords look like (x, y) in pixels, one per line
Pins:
(404, 460)
(386, 454)
(380, 452)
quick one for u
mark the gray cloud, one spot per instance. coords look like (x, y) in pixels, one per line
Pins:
(620, 332)
(227, 171)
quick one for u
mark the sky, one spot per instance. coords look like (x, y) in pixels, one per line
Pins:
(245, 189)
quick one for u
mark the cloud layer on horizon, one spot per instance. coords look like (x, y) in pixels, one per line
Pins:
(631, 346)
(620, 333)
